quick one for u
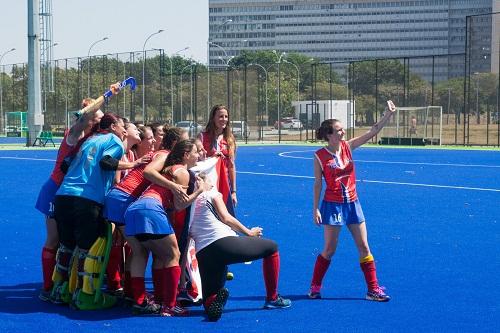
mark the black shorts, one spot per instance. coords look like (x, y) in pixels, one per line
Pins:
(79, 221)
(146, 237)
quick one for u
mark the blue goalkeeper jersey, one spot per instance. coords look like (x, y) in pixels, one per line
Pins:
(85, 178)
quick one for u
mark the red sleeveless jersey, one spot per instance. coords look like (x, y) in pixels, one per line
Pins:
(162, 194)
(339, 174)
(212, 146)
(64, 151)
(134, 182)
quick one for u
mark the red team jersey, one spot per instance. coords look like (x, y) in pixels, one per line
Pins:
(213, 146)
(134, 182)
(162, 194)
(338, 171)
(64, 151)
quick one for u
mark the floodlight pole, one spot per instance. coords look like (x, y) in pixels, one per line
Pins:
(1, 80)
(208, 59)
(279, 57)
(89, 61)
(143, 74)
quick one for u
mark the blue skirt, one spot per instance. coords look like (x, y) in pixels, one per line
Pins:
(147, 216)
(46, 197)
(333, 213)
(115, 205)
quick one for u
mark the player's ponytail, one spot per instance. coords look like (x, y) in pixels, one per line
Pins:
(325, 129)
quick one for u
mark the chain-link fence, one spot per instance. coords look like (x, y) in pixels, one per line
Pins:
(285, 100)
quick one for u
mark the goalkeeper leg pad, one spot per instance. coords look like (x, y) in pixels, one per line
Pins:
(60, 291)
(91, 271)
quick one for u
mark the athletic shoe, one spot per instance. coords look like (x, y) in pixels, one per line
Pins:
(229, 276)
(314, 292)
(278, 303)
(174, 311)
(147, 307)
(44, 295)
(214, 310)
(117, 293)
(378, 294)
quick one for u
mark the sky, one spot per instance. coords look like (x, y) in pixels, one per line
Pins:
(127, 24)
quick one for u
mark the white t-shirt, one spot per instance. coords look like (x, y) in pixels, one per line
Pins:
(206, 226)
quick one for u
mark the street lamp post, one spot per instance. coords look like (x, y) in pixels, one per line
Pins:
(172, 82)
(265, 71)
(208, 59)
(143, 74)
(45, 83)
(1, 80)
(226, 63)
(182, 71)
(478, 117)
(89, 61)
(298, 78)
(279, 91)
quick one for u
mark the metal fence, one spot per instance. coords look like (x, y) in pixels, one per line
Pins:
(264, 98)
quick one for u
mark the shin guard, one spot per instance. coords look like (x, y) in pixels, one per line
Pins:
(92, 273)
(60, 290)
(369, 271)
(271, 269)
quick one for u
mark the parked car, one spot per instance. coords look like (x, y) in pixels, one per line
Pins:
(190, 126)
(289, 123)
(240, 129)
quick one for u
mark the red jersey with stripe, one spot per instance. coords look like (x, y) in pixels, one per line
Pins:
(64, 151)
(129, 156)
(338, 171)
(163, 194)
(213, 146)
(134, 182)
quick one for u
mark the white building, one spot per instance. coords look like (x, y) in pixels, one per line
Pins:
(343, 110)
(348, 30)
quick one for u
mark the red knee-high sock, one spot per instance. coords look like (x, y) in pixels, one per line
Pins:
(127, 284)
(48, 264)
(127, 288)
(114, 266)
(158, 278)
(271, 269)
(320, 269)
(369, 270)
(171, 276)
(138, 289)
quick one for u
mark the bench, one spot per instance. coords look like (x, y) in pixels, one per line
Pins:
(44, 138)
(401, 141)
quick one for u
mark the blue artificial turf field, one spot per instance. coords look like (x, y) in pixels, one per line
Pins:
(433, 218)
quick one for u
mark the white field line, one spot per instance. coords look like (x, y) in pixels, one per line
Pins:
(379, 182)
(26, 158)
(311, 177)
(284, 154)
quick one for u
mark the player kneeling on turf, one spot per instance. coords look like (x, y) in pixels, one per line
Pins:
(218, 245)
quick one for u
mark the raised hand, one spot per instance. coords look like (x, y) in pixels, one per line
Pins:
(390, 106)
(115, 88)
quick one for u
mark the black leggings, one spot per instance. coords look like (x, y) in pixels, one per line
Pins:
(214, 258)
(79, 221)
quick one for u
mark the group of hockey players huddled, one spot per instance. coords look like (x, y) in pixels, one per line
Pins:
(120, 192)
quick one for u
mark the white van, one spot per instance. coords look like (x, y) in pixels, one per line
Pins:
(240, 129)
